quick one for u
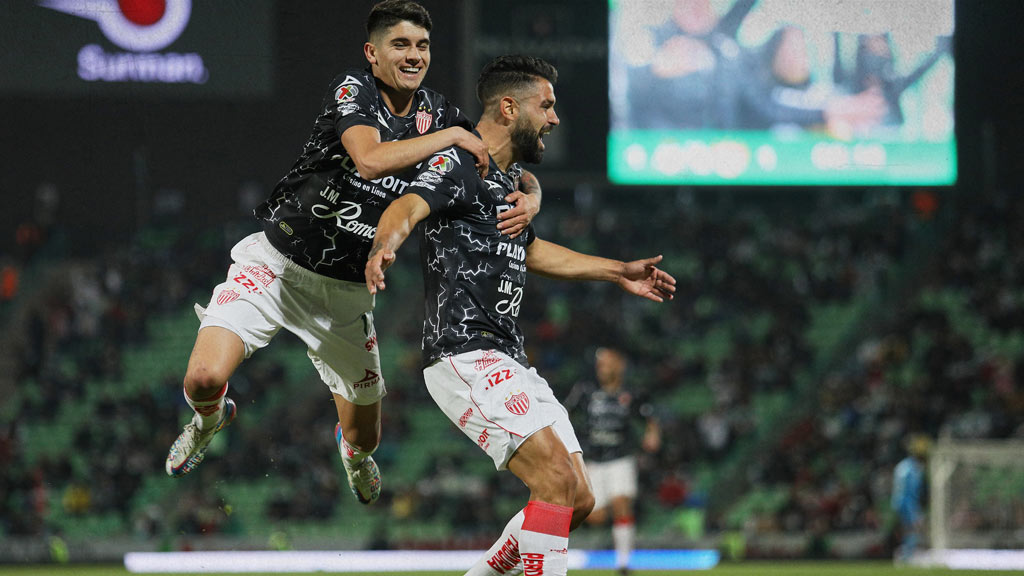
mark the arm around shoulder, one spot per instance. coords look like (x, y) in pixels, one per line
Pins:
(375, 159)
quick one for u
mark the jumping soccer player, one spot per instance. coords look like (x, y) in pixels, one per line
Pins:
(304, 271)
(475, 365)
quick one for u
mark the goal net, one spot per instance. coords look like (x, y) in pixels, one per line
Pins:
(977, 495)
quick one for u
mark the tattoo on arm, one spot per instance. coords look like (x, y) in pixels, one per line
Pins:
(377, 247)
(528, 183)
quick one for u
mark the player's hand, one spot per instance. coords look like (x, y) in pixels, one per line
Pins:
(516, 219)
(379, 261)
(474, 145)
(644, 279)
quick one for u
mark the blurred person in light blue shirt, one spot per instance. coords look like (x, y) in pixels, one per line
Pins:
(907, 492)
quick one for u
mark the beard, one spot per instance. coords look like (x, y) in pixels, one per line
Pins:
(526, 143)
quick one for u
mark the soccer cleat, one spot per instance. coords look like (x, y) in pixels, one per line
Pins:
(363, 476)
(189, 449)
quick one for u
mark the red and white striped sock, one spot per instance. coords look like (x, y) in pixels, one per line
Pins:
(503, 557)
(208, 411)
(544, 539)
(623, 534)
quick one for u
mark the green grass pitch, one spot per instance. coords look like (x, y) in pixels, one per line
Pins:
(762, 568)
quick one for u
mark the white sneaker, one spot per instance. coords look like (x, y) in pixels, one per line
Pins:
(363, 477)
(190, 448)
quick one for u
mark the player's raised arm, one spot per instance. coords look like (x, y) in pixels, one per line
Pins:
(394, 227)
(526, 202)
(639, 277)
(375, 159)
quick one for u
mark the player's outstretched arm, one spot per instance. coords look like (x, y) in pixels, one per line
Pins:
(394, 227)
(639, 277)
(527, 204)
(375, 159)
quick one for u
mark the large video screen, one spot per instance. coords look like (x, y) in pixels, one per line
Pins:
(781, 92)
(123, 49)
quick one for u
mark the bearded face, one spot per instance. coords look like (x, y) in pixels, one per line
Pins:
(527, 141)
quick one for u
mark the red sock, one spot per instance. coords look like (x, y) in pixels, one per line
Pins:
(544, 539)
(208, 411)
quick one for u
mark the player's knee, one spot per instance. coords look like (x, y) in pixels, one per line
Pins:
(201, 382)
(582, 507)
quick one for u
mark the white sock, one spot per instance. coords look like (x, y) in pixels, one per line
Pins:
(544, 539)
(207, 411)
(503, 557)
(623, 534)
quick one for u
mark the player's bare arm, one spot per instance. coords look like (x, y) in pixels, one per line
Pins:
(396, 223)
(638, 277)
(527, 204)
(375, 159)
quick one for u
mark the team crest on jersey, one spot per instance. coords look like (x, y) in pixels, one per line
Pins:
(346, 93)
(423, 121)
(518, 404)
(226, 296)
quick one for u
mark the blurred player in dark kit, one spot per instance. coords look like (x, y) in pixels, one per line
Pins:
(475, 365)
(610, 442)
(304, 271)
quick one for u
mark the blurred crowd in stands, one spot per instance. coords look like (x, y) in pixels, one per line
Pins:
(809, 335)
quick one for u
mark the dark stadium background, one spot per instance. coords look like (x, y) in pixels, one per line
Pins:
(135, 172)
(90, 148)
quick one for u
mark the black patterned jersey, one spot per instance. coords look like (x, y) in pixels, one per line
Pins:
(607, 432)
(322, 214)
(473, 274)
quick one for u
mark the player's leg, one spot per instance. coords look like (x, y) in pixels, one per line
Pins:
(215, 356)
(243, 315)
(511, 414)
(583, 503)
(545, 466)
(623, 476)
(358, 434)
(503, 557)
(623, 531)
(598, 474)
(342, 344)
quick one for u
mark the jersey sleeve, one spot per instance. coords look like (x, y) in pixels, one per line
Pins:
(352, 102)
(443, 179)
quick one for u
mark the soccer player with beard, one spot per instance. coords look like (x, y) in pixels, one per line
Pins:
(304, 271)
(475, 365)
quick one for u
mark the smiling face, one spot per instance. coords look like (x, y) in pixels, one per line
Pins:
(536, 118)
(399, 56)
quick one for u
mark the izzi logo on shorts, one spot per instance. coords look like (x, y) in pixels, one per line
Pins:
(142, 28)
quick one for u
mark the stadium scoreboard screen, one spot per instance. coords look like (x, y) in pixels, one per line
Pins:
(126, 48)
(781, 92)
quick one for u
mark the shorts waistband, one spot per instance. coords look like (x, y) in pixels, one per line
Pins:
(301, 271)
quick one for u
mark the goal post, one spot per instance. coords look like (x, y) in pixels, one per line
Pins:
(976, 497)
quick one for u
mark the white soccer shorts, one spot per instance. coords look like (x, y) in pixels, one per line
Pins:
(497, 402)
(265, 291)
(612, 478)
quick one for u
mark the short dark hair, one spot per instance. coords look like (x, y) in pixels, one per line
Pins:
(386, 14)
(511, 74)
